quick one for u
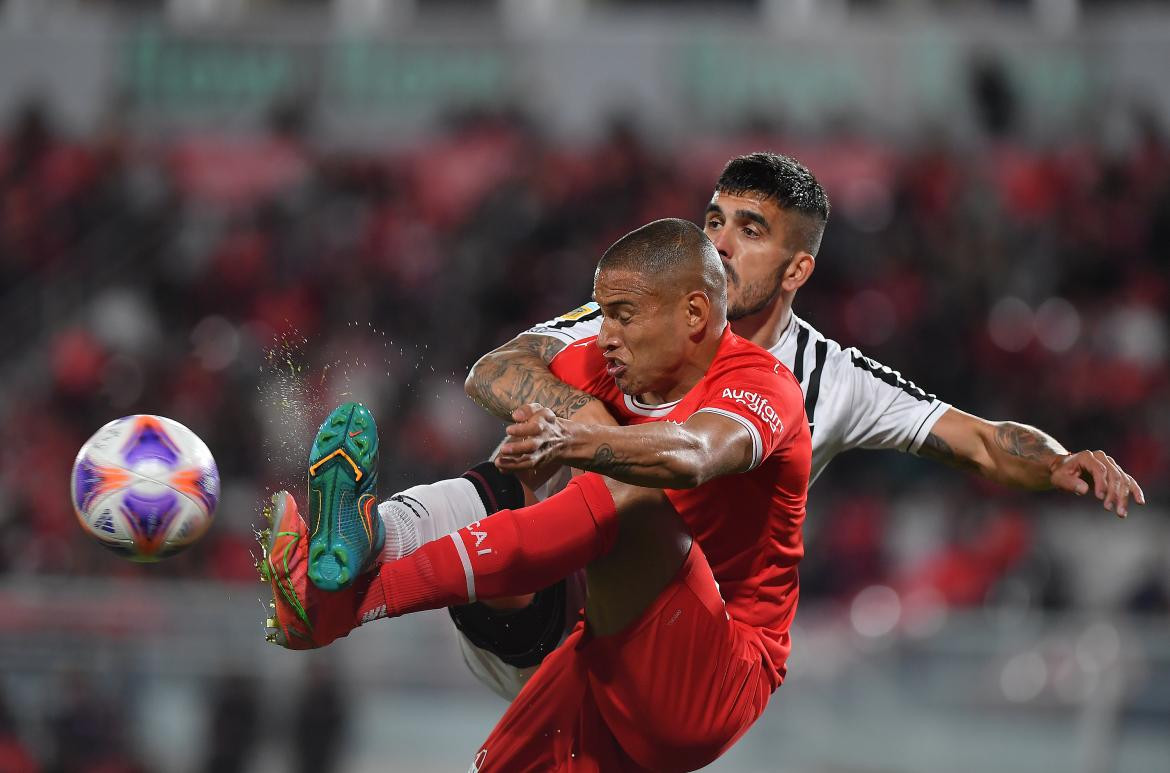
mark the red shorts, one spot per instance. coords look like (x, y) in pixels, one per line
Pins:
(671, 692)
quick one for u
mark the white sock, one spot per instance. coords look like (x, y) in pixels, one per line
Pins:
(420, 514)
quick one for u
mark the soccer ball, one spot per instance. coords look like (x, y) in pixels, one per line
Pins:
(145, 487)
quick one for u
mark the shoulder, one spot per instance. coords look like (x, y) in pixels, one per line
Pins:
(803, 346)
(874, 375)
(740, 364)
(581, 354)
(737, 349)
(739, 355)
(806, 350)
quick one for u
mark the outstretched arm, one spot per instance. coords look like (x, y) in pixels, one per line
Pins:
(657, 455)
(1024, 457)
(517, 373)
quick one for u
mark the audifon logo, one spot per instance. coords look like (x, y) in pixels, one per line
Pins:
(479, 758)
(756, 404)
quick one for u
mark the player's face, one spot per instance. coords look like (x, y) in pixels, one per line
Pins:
(643, 331)
(752, 235)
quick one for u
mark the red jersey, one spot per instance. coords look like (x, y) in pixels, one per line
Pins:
(749, 524)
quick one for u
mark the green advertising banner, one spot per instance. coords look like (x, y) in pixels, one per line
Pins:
(166, 74)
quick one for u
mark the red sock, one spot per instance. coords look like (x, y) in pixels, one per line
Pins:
(505, 554)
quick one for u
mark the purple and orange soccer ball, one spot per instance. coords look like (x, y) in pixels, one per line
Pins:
(145, 487)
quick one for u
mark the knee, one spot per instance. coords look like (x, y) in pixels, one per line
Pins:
(648, 521)
(684, 735)
(681, 746)
(630, 499)
(519, 638)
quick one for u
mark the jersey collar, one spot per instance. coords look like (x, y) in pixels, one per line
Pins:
(792, 323)
(639, 408)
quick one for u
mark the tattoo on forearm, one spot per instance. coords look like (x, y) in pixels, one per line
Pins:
(606, 462)
(1026, 442)
(484, 376)
(934, 447)
(504, 381)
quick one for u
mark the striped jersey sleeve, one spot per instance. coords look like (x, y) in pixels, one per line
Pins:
(853, 401)
(581, 322)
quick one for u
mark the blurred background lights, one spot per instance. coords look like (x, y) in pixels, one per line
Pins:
(924, 612)
(875, 611)
(1136, 334)
(1010, 324)
(1098, 647)
(1024, 677)
(123, 318)
(1058, 325)
(216, 342)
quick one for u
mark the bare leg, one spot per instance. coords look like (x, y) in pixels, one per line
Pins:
(651, 545)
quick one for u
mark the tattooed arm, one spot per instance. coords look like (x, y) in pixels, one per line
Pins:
(517, 373)
(659, 454)
(1024, 457)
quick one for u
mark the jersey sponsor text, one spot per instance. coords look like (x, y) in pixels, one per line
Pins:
(757, 405)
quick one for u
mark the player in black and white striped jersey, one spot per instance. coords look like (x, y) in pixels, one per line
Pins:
(766, 219)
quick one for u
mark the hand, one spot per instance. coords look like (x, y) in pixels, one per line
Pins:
(1096, 469)
(533, 440)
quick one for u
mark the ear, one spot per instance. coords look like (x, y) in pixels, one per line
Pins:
(698, 310)
(800, 267)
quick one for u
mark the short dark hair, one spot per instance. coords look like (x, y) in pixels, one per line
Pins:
(670, 249)
(785, 181)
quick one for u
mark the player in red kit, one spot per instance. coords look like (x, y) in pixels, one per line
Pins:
(748, 526)
(690, 543)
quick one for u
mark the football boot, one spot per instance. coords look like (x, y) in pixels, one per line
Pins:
(345, 531)
(301, 616)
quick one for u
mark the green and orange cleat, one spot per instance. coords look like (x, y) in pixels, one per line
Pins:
(302, 617)
(345, 531)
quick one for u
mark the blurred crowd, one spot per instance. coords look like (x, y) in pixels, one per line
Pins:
(242, 284)
(88, 729)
